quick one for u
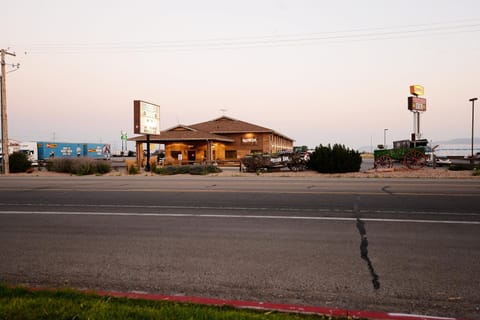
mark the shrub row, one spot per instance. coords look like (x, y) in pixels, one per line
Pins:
(79, 166)
(461, 167)
(195, 169)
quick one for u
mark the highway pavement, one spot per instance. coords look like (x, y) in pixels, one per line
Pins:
(396, 245)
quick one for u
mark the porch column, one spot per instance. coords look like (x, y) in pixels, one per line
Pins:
(209, 151)
(139, 150)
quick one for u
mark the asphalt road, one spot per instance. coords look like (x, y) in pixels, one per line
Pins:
(410, 245)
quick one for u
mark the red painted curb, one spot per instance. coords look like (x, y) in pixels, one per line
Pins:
(334, 312)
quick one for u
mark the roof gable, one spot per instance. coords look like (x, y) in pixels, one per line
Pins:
(180, 128)
(228, 125)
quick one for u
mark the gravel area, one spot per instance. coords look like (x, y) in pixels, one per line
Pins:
(398, 172)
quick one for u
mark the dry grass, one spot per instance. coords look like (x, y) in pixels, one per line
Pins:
(425, 173)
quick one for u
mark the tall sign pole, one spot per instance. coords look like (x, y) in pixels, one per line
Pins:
(146, 120)
(5, 163)
(416, 105)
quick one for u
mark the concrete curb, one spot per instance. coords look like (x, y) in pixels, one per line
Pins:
(333, 312)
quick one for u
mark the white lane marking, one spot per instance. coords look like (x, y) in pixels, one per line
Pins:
(418, 316)
(233, 216)
(278, 191)
(320, 210)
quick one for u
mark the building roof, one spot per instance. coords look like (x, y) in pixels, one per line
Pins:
(213, 130)
(227, 125)
(182, 133)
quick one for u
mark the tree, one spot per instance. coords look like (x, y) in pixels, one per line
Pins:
(18, 162)
(336, 159)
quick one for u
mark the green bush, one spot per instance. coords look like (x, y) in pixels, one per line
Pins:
(203, 170)
(195, 170)
(103, 166)
(133, 170)
(461, 167)
(18, 162)
(336, 159)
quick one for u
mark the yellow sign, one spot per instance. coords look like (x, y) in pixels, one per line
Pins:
(417, 90)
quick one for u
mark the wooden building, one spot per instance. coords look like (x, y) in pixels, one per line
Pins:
(219, 140)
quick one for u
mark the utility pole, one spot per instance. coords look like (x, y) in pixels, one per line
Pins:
(472, 159)
(5, 163)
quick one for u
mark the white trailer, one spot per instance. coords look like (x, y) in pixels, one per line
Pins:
(31, 150)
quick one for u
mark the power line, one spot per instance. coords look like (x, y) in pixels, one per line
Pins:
(356, 35)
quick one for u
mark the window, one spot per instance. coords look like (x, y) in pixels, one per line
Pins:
(174, 154)
(230, 154)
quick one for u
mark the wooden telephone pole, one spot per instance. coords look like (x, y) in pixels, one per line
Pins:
(5, 163)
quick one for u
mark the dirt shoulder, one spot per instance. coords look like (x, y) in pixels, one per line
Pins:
(425, 173)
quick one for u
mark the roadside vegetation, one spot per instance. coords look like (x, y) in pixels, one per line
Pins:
(336, 159)
(20, 303)
(132, 168)
(79, 166)
(18, 162)
(195, 170)
(476, 171)
(464, 167)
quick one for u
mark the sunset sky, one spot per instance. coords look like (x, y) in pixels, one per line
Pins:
(317, 71)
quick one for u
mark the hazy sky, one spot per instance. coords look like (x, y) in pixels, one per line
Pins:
(317, 71)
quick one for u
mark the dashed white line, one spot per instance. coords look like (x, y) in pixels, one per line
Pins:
(233, 216)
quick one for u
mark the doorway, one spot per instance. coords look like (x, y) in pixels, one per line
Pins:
(191, 156)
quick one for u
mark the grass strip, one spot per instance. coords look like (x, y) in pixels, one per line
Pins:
(22, 303)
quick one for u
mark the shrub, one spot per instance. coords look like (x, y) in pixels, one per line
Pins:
(336, 159)
(131, 166)
(165, 170)
(133, 170)
(153, 164)
(82, 166)
(103, 166)
(195, 170)
(18, 162)
(60, 165)
(461, 167)
(203, 170)
(79, 166)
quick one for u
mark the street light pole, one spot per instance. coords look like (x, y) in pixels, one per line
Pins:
(385, 138)
(473, 120)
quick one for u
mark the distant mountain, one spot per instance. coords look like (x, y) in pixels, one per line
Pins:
(476, 140)
(451, 143)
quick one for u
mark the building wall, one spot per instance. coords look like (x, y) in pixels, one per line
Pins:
(257, 142)
(243, 145)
